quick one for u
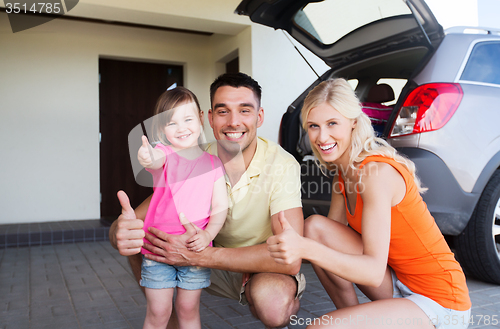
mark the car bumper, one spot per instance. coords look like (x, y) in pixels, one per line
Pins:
(450, 206)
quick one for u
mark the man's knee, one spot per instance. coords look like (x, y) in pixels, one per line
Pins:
(272, 298)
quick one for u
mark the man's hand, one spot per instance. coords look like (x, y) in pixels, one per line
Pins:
(145, 153)
(285, 247)
(171, 249)
(129, 232)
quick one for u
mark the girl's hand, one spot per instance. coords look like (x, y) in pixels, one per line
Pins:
(199, 241)
(285, 247)
(144, 155)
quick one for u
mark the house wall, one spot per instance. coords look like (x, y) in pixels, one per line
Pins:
(49, 109)
(49, 101)
(282, 73)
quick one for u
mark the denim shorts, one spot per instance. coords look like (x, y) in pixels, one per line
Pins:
(439, 316)
(157, 275)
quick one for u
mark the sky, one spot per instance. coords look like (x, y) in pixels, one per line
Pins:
(450, 13)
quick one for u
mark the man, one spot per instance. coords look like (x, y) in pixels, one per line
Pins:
(263, 183)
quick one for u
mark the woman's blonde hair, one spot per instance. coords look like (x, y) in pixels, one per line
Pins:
(339, 95)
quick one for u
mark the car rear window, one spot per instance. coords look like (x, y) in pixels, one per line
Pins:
(330, 20)
(483, 64)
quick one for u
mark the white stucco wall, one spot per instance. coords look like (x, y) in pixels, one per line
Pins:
(281, 72)
(49, 109)
(49, 101)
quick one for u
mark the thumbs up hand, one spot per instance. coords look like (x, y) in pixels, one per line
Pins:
(145, 153)
(129, 233)
(286, 247)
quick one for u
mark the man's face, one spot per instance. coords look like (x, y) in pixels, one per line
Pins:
(235, 117)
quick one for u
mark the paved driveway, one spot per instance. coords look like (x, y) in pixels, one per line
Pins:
(89, 285)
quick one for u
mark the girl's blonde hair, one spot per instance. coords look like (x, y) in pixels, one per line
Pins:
(339, 95)
(170, 99)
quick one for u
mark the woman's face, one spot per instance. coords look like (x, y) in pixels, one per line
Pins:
(330, 133)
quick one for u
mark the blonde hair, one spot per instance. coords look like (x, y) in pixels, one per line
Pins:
(339, 95)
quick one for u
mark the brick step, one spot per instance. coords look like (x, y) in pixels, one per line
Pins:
(47, 233)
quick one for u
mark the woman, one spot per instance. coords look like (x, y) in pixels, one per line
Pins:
(392, 247)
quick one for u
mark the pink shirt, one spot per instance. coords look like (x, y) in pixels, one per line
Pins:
(182, 185)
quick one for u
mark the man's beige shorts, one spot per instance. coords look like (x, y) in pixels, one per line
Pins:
(231, 285)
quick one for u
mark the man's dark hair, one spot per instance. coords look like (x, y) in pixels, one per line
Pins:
(235, 80)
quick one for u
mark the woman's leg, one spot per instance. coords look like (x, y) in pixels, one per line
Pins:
(387, 313)
(187, 306)
(159, 307)
(344, 239)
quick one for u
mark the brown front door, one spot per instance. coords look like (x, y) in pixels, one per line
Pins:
(127, 95)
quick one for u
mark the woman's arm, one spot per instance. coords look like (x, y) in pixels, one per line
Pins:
(380, 189)
(337, 210)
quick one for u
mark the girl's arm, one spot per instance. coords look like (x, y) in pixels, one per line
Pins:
(149, 157)
(202, 239)
(219, 208)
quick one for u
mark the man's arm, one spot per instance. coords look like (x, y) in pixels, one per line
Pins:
(251, 259)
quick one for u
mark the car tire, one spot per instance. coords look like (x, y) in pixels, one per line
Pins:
(478, 246)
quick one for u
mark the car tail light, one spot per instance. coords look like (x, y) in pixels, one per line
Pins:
(427, 108)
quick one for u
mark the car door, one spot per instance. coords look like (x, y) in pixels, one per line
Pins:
(340, 31)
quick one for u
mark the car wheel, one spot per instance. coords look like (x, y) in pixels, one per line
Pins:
(478, 246)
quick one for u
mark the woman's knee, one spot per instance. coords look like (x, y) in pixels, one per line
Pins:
(333, 234)
(314, 227)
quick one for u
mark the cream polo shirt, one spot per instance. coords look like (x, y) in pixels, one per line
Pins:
(269, 185)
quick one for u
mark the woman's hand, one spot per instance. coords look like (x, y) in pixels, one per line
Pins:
(286, 247)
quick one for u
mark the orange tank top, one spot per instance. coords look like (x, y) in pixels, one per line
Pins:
(418, 252)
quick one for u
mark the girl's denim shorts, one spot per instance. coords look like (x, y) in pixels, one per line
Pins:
(157, 275)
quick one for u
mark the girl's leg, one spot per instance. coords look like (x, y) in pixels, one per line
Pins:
(344, 239)
(187, 307)
(159, 307)
(394, 313)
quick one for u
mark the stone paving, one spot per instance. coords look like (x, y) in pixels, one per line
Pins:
(89, 285)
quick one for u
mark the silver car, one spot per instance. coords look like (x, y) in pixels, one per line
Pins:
(433, 94)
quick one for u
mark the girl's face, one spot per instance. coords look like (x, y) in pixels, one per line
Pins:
(184, 128)
(330, 133)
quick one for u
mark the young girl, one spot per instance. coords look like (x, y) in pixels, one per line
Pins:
(188, 183)
(392, 248)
